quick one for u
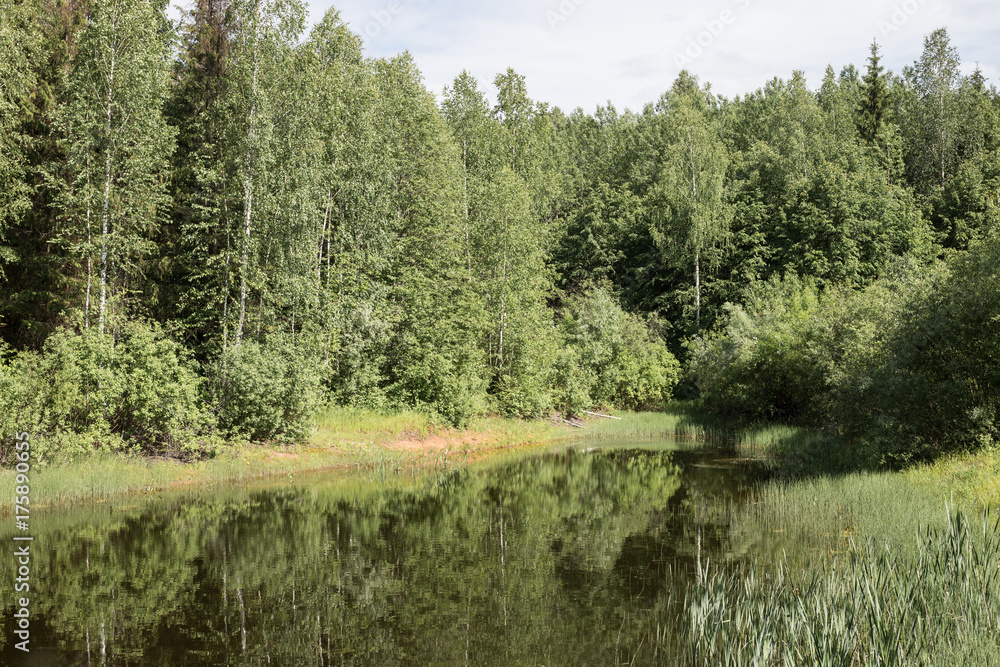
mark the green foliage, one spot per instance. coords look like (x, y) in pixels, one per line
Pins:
(844, 224)
(278, 187)
(611, 358)
(19, 45)
(905, 368)
(90, 391)
(111, 187)
(875, 101)
(266, 390)
(768, 359)
(930, 387)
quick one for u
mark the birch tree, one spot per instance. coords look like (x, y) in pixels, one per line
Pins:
(262, 43)
(692, 217)
(933, 120)
(118, 146)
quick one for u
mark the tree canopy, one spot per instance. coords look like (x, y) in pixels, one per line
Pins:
(266, 220)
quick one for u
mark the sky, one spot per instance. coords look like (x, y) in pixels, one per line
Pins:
(585, 53)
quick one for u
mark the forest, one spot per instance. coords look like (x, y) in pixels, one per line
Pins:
(211, 228)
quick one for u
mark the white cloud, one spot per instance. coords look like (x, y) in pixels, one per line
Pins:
(586, 52)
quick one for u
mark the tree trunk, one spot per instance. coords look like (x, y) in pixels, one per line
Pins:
(697, 288)
(90, 263)
(248, 180)
(245, 253)
(104, 236)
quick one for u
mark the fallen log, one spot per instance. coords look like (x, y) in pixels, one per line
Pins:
(598, 414)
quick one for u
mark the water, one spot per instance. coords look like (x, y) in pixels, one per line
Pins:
(554, 558)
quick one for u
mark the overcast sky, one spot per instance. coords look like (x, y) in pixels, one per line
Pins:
(582, 53)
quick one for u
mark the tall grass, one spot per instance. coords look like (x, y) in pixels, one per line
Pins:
(818, 517)
(682, 421)
(338, 424)
(873, 607)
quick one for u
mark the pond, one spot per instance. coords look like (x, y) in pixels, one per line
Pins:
(572, 556)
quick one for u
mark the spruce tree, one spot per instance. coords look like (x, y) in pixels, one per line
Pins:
(875, 98)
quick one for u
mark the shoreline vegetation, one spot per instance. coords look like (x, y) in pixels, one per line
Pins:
(344, 440)
(349, 440)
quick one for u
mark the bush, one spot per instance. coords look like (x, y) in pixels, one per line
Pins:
(931, 387)
(88, 391)
(768, 361)
(907, 369)
(445, 380)
(620, 361)
(267, 390)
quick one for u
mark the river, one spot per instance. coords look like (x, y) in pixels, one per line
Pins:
(568, 556)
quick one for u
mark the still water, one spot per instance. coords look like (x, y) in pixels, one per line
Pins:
(563, 557)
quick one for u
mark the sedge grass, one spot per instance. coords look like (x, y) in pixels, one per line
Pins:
(873, 606)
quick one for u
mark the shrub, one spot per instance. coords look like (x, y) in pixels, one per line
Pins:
(267, 390)
(768, 359)
(89, 391)
(931, 387)
(621, 362)
(446, 380)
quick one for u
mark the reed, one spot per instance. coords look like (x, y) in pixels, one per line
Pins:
(874, 606)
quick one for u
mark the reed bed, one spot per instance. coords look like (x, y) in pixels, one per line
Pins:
(872, 607)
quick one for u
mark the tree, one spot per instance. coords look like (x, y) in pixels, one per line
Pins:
(264, 34)
(193, 284)
(933, 139)
(515, 111)
(479, 139)
(875, 99)
(838, 98)
(118, 144)
(692, 216)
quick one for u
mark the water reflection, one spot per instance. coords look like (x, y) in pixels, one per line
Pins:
(565, 558)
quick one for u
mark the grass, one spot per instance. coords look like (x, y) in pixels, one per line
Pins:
(807, 521)
(845, 568)
(969, 478)
(345, 438)
(338, 425)
(682, 421)
(874, 607)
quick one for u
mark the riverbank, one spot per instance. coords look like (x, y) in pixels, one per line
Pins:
(344, 439)
(348, 439)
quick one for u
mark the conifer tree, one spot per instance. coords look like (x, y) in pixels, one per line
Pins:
(875, 98)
